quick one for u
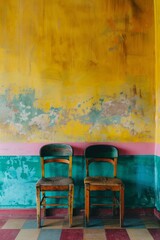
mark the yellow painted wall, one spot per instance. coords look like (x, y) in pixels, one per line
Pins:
(157, 67)
(77, 70)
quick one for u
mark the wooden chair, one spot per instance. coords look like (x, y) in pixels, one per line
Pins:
(103, 153)
(57, 154)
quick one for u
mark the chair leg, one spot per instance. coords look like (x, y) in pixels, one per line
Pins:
(121, 206)
(70, 204)
(87, 202)
(114, 209)
(38, 207)
(44, 203)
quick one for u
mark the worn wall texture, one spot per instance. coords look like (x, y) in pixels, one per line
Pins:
(157, 73)
(77, 70)
(157, 77)
(137, 173)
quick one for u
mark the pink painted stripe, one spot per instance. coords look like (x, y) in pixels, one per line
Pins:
(157, 149)
(32, 149)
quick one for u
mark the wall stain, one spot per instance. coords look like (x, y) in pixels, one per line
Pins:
(23, 118)
(72, 61)
(136, 9)
(22, 172)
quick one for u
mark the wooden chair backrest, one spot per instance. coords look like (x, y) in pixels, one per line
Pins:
(101, 153)
(60, 153)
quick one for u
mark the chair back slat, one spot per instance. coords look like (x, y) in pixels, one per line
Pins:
(50, 150)
(57, 153)
(101, 153)
(60, 160)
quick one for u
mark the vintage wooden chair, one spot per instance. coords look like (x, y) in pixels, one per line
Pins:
(96, 154)
(55, 154)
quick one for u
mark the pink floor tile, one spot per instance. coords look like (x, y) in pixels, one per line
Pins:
(116, 234)
(155, 232)
(72, 234)
(2, 222)
(8, 234)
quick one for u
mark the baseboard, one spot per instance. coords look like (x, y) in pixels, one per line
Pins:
(61, 212)
(17, 213)
(157, 213)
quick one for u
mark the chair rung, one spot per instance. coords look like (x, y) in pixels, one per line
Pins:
(56, 197)
(54, 204)
(101, 197)
(103, 204)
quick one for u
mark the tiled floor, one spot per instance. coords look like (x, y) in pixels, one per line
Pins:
(135, 228)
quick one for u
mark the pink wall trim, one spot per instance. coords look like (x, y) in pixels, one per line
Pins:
(32, 149)
(157, 149)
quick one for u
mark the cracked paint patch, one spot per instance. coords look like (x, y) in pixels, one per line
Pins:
(126, 111)
(20, 114)
(21, 173)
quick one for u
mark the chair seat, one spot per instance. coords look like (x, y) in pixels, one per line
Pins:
(55, 181)
(103, 181)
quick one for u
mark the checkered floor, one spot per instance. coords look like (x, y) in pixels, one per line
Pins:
(136, 228)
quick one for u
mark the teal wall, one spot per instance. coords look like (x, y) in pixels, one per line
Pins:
(157, 183)
(18, 175)
(137, 172)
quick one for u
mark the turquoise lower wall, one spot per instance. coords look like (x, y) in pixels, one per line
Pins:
(18, 176)
(157, 182)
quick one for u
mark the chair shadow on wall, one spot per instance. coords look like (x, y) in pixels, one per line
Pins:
(78, 176)
(137, 175)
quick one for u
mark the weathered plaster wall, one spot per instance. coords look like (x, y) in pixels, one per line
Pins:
(157, 74)
(157, 182)
(77, 71)
(157, 93)
(18, 176)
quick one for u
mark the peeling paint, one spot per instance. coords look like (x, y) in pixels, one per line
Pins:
(22, 173)
(19, 113)
(127, 110)
(18, 176)
(157, 182)
(77, 77)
